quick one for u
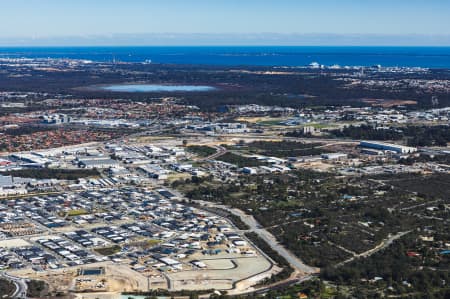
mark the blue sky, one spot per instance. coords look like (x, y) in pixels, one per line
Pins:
(52, 19)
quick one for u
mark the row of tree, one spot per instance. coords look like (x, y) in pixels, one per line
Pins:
(414, 135)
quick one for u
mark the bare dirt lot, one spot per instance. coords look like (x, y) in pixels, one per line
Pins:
(221, 272)
(117, 278)
(388, 103)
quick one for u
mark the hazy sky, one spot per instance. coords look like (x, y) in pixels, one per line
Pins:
(49, 19)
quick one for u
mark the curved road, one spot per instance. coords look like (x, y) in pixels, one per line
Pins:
(294, 261)
(272, 241)
(220, 151)
(20, 283)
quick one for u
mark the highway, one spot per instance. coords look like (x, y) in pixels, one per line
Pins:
(220, 151)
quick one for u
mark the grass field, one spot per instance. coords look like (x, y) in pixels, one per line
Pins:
(108, 250)
(201, 150)
(78, 212)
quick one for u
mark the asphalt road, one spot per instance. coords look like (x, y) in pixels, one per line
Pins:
(272, 241)
(20, 283)
(220, 151)
(294, 261)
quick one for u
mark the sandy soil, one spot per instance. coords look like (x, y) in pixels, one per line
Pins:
(118, 278)
(222, 270)
(13, 243)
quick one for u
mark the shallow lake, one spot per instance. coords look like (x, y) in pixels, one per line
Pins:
(156, 88)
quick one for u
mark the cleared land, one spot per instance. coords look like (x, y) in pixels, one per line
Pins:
(222, 271)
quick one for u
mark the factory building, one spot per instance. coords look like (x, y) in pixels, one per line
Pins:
(388, 147)
(98, 162)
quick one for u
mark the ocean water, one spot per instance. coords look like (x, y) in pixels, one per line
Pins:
(430, 57)
(155, 88)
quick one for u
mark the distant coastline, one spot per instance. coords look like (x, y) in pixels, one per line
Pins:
(389, 56)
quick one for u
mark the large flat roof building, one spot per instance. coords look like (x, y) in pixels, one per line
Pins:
(97, 163)
(401, 149)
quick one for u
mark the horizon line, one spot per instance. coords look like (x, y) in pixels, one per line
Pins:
(223, 45)
(262, 39)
